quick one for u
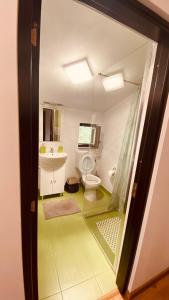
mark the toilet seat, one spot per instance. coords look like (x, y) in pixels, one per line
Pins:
(87, 164)
(91, 180)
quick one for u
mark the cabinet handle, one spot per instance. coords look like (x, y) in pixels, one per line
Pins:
(51, 182)
(54, 181)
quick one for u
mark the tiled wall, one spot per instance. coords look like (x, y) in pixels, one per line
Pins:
(114, 121)
(70, 120)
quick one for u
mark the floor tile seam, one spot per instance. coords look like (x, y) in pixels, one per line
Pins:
(59, 281)
(56, 270)
(83, 281)
(100, 289)
(101, 250)
(50, 296)
(88, 230)
(99, 285)
(51, 249)
(100, 247)
(61, 295)
(52, 255)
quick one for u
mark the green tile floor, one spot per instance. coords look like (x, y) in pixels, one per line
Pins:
(71, 265)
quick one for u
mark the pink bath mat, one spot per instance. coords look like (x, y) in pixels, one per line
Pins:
(56, 208)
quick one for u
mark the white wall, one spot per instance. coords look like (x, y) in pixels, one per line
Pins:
(70, 132)
(113, 124)
(11, 277)
(114, 121)
(70, 120)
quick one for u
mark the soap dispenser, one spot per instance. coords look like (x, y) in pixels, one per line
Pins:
(60, 148)
(42, 148)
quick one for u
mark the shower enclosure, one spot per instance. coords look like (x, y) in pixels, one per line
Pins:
(107, 217)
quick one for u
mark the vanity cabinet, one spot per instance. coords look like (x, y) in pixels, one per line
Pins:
(52, 180)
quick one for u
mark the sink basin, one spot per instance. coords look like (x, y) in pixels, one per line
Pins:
(55, 159)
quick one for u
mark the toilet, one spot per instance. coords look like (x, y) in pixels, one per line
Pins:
(85, 162)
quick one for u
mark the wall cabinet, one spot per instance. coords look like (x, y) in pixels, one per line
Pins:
(52, 180)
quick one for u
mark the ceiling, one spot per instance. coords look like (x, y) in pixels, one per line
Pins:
(71, 31)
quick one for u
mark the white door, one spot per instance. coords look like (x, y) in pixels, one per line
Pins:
(59, 179)
(46, 181)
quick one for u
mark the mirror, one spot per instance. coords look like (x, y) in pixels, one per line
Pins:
(51, 124)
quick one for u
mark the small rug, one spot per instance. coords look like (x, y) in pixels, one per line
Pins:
(57, 208)
(110, 229)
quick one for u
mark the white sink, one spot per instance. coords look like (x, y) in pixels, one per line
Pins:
(55, 159)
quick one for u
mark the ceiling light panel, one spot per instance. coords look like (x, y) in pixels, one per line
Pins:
(78, 72)
(114, 82)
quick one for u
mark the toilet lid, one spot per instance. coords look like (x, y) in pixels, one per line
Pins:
(87, 164)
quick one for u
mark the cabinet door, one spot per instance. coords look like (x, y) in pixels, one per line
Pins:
(46, 181)
(59, 179)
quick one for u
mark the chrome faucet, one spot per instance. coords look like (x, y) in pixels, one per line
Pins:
(52, 150)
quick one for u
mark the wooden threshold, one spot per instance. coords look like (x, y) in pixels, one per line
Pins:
(145, 286)
(114, 295)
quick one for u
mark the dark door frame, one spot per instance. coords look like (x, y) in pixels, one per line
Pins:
(139, 18)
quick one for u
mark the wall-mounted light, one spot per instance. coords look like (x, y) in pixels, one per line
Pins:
(113, 82)
(78, 71)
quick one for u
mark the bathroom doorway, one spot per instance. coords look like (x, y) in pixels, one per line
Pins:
(93, 96)
(76, 130)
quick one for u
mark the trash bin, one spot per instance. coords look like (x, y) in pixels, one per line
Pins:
(72, 185)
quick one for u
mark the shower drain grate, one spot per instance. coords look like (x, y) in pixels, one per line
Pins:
(110, 229)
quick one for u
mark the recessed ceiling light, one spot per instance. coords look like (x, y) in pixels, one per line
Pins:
(78, 71)
(113, 82)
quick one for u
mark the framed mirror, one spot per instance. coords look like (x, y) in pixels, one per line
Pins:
(51, 124)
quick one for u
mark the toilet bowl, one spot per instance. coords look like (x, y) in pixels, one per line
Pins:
(86, 164)
(91, 183)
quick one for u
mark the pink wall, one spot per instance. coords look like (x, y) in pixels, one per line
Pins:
(161, 7)
(152, 256)
(11, 278)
